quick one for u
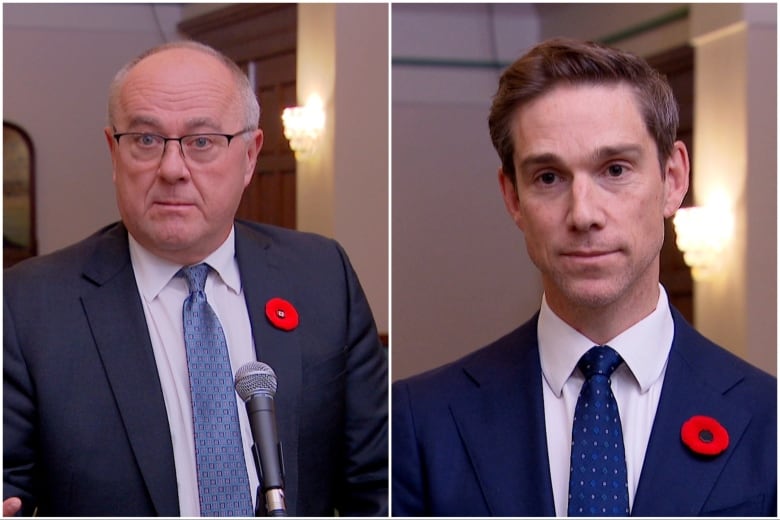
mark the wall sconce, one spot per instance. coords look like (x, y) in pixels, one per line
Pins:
(303, 126)
(702, 234)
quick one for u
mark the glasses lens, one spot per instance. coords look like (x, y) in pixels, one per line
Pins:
(197, 149)
(204, 148)
(143, 147)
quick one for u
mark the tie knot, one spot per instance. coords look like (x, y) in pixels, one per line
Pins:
(195, 276)
(599, 361)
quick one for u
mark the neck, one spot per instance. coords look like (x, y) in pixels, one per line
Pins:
(602, 323)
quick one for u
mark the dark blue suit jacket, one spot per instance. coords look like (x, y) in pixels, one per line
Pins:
(85, 431)
(469, 438)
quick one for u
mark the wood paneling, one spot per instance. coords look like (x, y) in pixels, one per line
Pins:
(265, 35)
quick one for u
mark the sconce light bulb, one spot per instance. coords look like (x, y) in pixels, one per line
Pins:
(303, 126)
(702, 235)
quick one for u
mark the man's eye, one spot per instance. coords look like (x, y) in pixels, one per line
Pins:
(547, 178)
(146, 140)
(616, 170)
(201, 141)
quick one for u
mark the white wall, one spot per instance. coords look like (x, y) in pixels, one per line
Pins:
(461, 276)
(58, 61)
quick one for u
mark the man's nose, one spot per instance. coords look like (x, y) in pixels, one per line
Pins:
(173, 166)
(585, 204)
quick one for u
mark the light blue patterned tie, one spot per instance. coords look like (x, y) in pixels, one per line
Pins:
(597, 482)
(223, 483)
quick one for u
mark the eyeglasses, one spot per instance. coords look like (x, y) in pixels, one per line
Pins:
(195, 148)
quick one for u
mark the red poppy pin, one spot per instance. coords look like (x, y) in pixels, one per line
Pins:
(281, 314)
(705, 436)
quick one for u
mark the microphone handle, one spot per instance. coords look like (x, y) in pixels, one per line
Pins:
(268, 452)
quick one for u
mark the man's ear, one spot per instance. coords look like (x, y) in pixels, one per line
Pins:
(511, 199)
(112, 148)
(253, 151)
(676, 178)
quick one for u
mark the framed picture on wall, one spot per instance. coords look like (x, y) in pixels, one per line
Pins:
(19, 240)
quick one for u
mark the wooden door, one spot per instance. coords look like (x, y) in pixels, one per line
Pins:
(262, 39)
(677, 65)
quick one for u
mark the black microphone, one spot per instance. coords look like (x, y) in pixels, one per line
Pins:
(256, 385)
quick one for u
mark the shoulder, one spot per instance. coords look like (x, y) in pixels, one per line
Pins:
(721, 369)
(269, 235)
(286, 247)
(67, 265)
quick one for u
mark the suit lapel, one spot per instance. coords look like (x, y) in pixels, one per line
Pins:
(674, 481)
(262, 279)
(117, 321)
(504, 432)
(506, 442)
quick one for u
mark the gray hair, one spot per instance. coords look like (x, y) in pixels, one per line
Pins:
(246, 94)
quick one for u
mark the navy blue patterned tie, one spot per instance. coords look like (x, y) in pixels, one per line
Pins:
(223, 484)
(597, 483)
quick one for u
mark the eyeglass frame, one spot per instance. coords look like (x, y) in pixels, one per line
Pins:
(179, 139)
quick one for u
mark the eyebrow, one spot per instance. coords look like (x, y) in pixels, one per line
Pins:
(539, 160)
(630, 150)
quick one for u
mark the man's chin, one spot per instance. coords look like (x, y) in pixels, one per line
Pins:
(173, 241)
(173, 238)
(593, 294)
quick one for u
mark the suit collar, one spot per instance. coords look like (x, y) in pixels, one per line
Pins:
(132, 372)
(153, 273)
(507, 447)
(509, 450)
(115, 315)
(644, 346)
(263, 278)
(111, 256)
(694, 384)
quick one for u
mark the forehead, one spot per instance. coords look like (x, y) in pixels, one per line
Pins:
(579, 117)
(178, 85)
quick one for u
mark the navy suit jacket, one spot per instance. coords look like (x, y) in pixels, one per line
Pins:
(85, 431)
(469, 438)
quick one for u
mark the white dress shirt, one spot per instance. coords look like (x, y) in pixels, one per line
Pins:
(163, 295)
(636, 384)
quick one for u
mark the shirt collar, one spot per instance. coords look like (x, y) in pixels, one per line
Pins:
(644, 346)
(153, 273)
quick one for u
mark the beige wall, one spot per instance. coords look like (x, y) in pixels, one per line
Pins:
(58, 61)
(605, 21)
(460, 274)
(343, 188)
(735, 154)
(459, 269)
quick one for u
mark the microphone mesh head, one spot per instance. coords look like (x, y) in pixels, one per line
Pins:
(255, 378)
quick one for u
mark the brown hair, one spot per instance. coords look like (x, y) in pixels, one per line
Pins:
(560, 60)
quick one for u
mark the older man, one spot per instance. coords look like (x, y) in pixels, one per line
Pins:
(109, 343)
